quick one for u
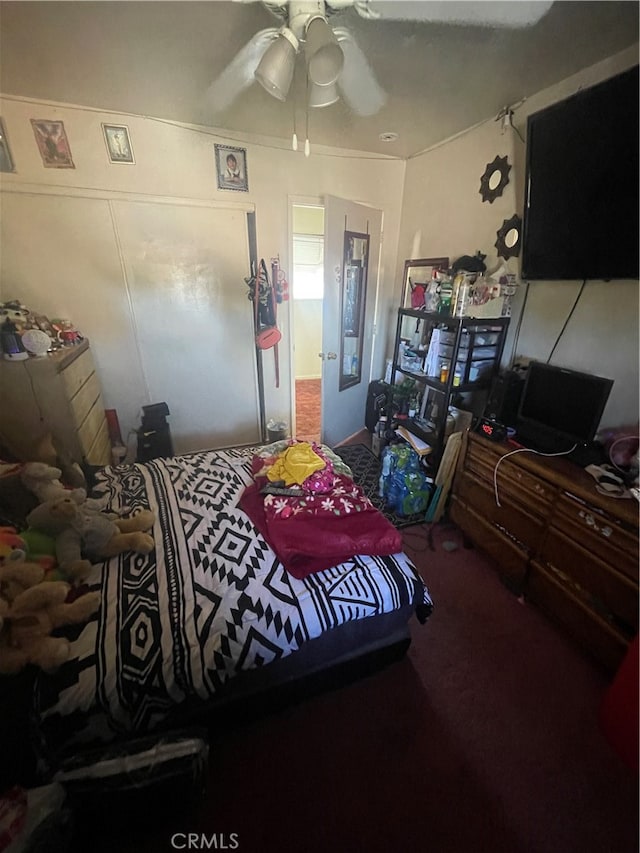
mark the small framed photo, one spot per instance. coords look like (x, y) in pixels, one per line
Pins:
(118, 143)
(53, 144)
(231, 168)
(6, 160)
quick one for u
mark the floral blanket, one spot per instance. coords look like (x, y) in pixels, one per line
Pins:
(328, 520)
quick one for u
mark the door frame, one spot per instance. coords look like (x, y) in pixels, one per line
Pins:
(295, 201)
(351, 220)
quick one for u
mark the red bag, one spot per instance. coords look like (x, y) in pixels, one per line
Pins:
(267, 338)
(267, 333)
(417, 295)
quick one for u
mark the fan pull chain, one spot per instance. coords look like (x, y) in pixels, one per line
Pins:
(307, 146)
(294, 139)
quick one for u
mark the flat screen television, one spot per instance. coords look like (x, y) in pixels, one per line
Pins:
(581, 192)
(560, 408)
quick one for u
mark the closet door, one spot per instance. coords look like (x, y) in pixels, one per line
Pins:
(58, 255)
(184, 268)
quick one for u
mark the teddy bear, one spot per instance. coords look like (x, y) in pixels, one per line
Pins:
(44, 482)
(82, 532)
(17, 575)
(30, 618)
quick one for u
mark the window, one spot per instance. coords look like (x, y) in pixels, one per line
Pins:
(308, 267)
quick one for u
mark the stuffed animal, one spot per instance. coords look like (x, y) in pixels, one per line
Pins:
(29, 620)
(80, 531)
(44, 481)
(16, 575)
(10, 542)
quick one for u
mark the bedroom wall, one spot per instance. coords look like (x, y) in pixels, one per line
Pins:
(175, 161)
(443, 214)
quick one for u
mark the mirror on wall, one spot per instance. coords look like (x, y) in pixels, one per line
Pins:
(508, 242)
(354, 290)
(417, 275)
(495, 179)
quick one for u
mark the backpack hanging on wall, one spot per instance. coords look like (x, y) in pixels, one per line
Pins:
(264, 309)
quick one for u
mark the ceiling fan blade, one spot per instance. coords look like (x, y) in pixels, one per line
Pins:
(357, 83)
(238, 75)
(489, 13)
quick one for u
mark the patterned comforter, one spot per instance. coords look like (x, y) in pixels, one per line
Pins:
(212, 600)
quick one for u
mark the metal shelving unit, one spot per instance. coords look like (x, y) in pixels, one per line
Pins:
(471, 347)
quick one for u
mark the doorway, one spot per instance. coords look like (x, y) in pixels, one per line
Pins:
(307, 293)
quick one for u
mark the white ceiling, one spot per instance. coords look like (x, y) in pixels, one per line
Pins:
(159, 58)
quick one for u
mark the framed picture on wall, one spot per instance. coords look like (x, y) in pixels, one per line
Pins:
(6, 160)
(53, 144)
(231, 168)
(118, 143)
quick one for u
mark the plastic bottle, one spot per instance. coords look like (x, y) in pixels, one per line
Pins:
(446, 294)
(413, 405)
(463, 296)
(384, 474)
(450, 424)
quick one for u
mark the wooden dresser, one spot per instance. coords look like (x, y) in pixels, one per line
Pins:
(58, 394)
(570, 550)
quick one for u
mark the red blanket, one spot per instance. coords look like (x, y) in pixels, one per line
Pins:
(306, 542)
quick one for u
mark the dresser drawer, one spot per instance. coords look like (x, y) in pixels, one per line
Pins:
(85, 399)
(91, 426)
(522, 525)
(602, 589)
(520, 484)
(481, 456)
(100, 451)
(535, 487)
(510, 558)
(76, 374)
(598, 533)
(558, 601)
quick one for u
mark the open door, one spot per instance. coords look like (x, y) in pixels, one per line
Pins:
(352, 249)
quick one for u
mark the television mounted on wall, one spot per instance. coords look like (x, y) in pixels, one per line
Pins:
(581, 192)
(560, 409)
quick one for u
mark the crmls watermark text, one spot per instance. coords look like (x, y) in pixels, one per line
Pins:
(202, 841)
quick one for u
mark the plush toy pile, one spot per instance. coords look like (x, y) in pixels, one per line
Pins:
(43, 567)
(30, 609)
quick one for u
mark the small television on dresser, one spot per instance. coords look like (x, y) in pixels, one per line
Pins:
(560, 409)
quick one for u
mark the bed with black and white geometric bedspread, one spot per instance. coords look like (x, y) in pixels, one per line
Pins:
(210, 601)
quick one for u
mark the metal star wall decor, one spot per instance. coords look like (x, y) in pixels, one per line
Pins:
(495, 179)
(508, 242)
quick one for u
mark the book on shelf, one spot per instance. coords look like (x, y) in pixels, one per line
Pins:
(421, 447)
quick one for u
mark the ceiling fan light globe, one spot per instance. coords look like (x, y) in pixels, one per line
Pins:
(323, 96)
(275, 69)
(323, 53)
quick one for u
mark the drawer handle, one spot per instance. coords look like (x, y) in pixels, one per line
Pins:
(591, 522)
(538, 488)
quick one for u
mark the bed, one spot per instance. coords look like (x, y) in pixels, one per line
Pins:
(211, 614)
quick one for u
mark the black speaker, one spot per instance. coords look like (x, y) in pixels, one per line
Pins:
(155, 415)
(154, 436)
(504, 398)
(154, 444)
(377, 398)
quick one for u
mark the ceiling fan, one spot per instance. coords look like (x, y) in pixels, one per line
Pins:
(336, 66)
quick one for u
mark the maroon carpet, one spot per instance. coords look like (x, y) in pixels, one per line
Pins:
(484, 738)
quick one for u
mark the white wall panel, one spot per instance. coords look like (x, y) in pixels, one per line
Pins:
(185, 269)
(60, 257)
